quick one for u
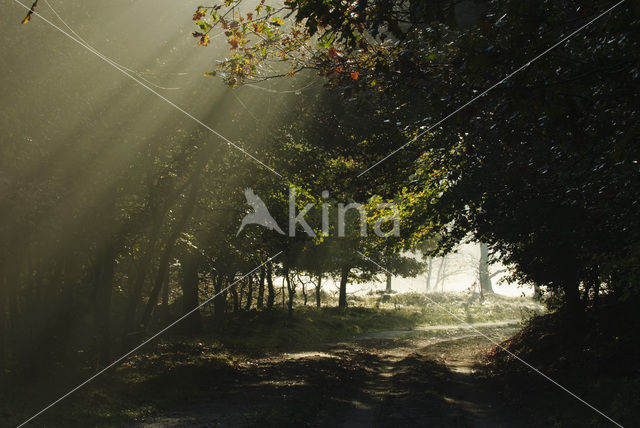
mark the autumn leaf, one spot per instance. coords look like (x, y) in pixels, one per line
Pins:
(204, 41)
(355, 75)
(200, 13)
(30, 13)
(234, 43)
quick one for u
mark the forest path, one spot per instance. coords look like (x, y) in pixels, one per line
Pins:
(430, 382)
(425, 377)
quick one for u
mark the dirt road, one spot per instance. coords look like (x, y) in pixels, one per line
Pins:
(423, 378)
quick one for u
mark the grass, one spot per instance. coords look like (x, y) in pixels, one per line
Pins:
(256, 333)
(169, 373)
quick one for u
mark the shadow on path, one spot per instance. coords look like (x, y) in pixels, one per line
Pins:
(428, 379)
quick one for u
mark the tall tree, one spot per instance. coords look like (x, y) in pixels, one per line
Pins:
(483, 270)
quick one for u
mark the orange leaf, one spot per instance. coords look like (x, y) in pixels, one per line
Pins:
(200, 13)
(204, 41)
(30, 13)
(355, 75)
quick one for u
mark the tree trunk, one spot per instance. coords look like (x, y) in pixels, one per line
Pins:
(260, 302)
(344, 279)
(104, 275)
(164, 306)
(304, 291)
(388, 289)
(483, 270)
(440, 275)
(235, 298)
(190, 299)
(271, 292)
(163, 267)
(220, 301)
(429, 271)
(572, 297)
(247, 306)
(318, 290)
(537, 293)
(292, 292)
(136, 292)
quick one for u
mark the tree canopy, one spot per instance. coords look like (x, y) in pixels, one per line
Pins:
(542, 165)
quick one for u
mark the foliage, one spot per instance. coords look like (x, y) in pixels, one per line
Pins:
(544, 167)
